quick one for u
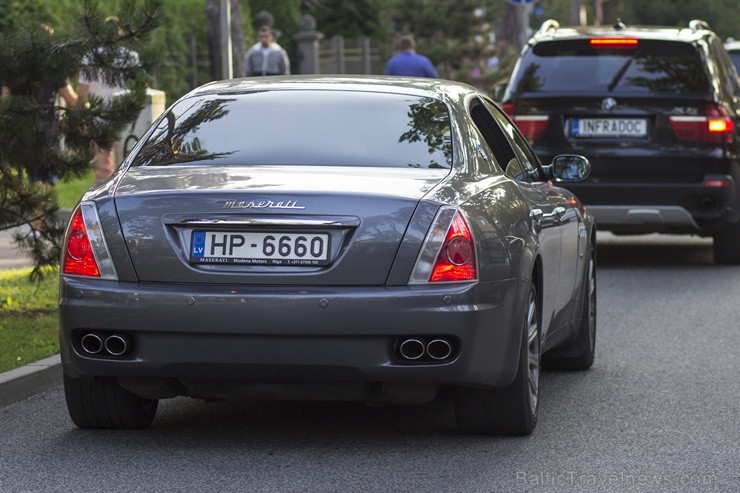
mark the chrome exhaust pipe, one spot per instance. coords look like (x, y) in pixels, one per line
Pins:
(412, 349)
(439, 349)
(91, 343)
(117, 345)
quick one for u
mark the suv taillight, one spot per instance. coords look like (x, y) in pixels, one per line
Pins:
(714, 126)
(532, 127)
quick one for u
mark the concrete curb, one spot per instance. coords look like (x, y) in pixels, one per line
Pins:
(23, 382)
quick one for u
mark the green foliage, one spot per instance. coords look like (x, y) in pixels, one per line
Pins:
(722, 15)
(349, 19)
(184, 21)
(446, 31)
(33, 62)
(28, 318)
(69, 190)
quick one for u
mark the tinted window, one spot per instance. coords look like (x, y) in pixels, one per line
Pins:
(574, 66)
(525, 155)
(326, 128)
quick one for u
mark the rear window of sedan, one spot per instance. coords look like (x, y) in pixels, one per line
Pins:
(649, 67)
(288, 127)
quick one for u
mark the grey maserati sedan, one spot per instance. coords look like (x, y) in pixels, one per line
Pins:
(378, 239)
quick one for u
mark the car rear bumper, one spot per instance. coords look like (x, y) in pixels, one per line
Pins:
(219, 340)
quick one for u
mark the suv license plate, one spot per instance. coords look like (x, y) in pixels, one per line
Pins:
(263, 248)
(608, 127)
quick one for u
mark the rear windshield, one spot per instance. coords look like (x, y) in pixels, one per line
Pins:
(574, 66)
(287, 127)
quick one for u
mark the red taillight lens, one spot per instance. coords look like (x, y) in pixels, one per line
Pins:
(509, 109)
(715, 126)
(613, 43)
(532, 127)
(78, 255)
(456, 259)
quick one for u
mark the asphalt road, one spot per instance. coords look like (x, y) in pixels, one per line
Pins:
(657, 412)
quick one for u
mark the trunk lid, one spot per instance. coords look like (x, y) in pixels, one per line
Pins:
(353, 218)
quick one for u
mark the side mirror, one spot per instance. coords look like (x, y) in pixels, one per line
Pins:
(498, 91)
(570, 167)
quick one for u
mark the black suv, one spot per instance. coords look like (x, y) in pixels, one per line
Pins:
(656, 111)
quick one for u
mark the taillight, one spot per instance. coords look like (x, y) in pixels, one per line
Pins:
(613, 43)
(85, 250)
(715, 126)
(532, 127)
(509, 109)
(448, 253)
(79, 258)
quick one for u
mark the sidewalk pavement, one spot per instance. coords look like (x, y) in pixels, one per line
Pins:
(10, 256)
(21, 383)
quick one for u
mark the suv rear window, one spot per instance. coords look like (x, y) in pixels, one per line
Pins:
(575, 66)
(308, 127)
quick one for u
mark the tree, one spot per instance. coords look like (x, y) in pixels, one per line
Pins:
(213, 16)
(446, 31)
(348, 19)
(33, 58)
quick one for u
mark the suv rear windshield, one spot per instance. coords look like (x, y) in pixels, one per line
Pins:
(651, 66)
(290, 127)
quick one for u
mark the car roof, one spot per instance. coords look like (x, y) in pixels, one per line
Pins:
(417, 86)
(551, 30)
(733, 46)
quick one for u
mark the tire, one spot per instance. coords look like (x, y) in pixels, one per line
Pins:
(102, 403)
(584, 346)
(727, 245)
(508, 410)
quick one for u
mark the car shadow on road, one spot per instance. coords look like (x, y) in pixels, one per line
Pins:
(654, 251)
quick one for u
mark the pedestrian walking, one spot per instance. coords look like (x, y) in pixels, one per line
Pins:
(266, 57)
(410, 63)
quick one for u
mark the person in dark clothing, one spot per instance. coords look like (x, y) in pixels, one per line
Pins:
(409, 63)
(47, 99)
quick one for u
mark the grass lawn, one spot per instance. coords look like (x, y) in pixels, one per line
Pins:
(69, 192)
(28, 311)
(28, 318)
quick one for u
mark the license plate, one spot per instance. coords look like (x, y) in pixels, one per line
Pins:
(259, 248)
(608, 127)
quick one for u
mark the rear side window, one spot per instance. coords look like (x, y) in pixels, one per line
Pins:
(324, 128)
(650, 67)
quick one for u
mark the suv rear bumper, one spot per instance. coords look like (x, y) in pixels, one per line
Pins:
(701, 208)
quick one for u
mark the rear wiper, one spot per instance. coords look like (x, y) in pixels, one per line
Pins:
(620, 73)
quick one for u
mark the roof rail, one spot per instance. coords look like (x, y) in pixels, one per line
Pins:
(548, 25)
(699, 25)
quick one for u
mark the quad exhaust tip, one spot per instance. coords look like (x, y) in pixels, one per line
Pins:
(439, 349)
(412, 349)
(102, 344)
(91, 343)
(432, 349)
